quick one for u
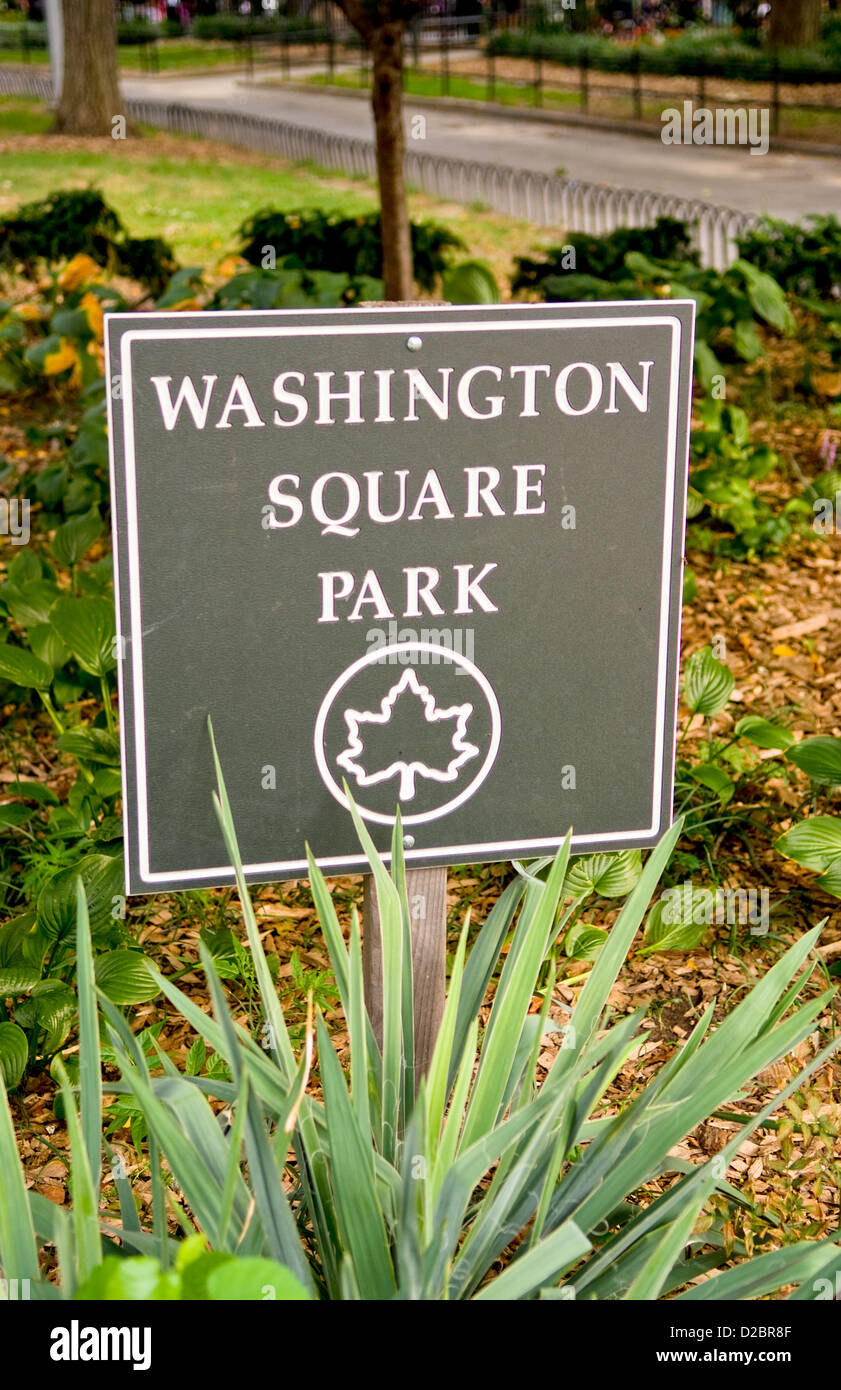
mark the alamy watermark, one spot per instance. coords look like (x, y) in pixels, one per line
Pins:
(449, 639)
(720, 906)
(14, 519)
(78, 1342)
(726, 125)
(827, 518)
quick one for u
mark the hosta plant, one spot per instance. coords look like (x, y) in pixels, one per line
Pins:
(474, 1181)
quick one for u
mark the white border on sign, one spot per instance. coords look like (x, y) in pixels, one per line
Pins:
(151, 879)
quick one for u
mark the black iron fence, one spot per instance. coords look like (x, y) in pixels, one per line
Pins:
(549, 200)
(537, 78)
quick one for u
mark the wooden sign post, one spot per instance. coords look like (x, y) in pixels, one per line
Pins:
(426, 890)
(430, 554)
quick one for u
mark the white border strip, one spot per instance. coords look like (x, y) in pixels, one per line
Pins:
(226, 872)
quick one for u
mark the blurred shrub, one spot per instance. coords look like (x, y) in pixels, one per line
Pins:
(805, 257)
(352, 245)
(79, 221)
(604, 256)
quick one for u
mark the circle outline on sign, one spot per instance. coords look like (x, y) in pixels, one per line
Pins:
(373, 658)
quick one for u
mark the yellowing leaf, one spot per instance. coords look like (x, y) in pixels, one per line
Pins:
(30, 313)
(827, 383)
(93, 314)
(782, 649)
(78, 272)
(65, 356)
(231, 264)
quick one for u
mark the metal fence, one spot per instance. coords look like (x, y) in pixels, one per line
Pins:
(549, 200)
(544, 79)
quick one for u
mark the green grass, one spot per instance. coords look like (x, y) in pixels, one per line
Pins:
(21, 116)
(172, 55)
(427, 84)
(196, 203)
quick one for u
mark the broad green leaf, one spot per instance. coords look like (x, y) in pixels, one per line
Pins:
(746, 339)
(763, 732)
(124, 976)
(715, 779)
(87, 627)
(195, 1271)
(48, 646)
(17, 979)
(30, 602)
(707, 683)
(24, 568)
(819, 758)
(583, 942)
(32, 791)
(254, 1279)
(14, 1052)
(196, 1057)
(136, 1279)
(12, 814)
(12, 936)
(680, 919)
(472, 282)
(767, 297)
(50, 1009)
(107, 781)
(92, 746)
(103, 877)
(22, 668)
(815, 842)
(609, 875)
(74, 538)
(830, 880)
(707, 365)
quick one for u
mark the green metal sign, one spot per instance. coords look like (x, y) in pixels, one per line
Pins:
(432, 556)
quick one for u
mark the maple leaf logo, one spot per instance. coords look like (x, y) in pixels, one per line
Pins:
(407, 771)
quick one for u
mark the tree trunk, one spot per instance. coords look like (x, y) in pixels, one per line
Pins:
(382, 26)
(387, 101)
(90, 97)
(795, 23)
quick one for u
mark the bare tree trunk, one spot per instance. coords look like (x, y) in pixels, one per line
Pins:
(387, 101)
(90, 97)
(795, 23)
(382, 25)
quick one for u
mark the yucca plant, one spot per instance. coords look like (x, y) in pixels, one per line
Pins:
(476, 1182)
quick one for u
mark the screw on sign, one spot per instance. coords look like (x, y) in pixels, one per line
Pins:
(289, 486)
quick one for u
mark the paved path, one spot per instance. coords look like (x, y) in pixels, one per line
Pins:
(784, 184)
